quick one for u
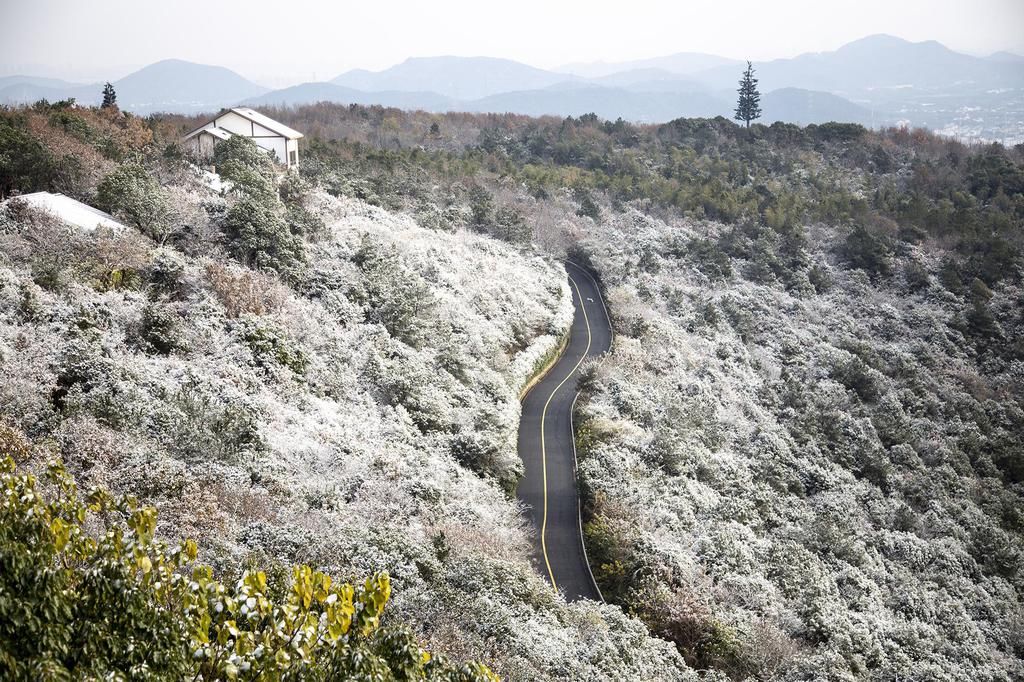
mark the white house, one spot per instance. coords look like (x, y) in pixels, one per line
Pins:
(275, 137)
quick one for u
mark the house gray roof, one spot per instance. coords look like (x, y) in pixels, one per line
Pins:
(252, 115)
(216, 132)
(267, 122)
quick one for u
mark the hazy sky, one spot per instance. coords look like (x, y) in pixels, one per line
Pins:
(295, 40)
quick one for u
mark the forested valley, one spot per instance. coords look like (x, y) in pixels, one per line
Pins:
(803, 458)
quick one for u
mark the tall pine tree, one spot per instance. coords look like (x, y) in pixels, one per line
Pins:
(748, 107)
(109, 97)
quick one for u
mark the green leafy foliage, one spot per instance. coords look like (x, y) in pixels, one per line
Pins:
(25, 164)
(748, 103)
(240, 161)
(259, 237)
(89, 592)
(270, 345)
(132, 193)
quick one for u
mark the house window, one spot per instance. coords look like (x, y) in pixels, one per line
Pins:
(293, 157)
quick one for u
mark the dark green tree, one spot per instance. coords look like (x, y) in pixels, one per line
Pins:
(132, 193)
(588, 207)
(259, 237)
(109, 97)
(25, 164)
(482, 205)
(748, 106)
(511, 226)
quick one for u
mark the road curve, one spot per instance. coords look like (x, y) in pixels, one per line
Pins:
(547, 447)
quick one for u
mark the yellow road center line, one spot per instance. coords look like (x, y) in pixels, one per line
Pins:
(543, 446)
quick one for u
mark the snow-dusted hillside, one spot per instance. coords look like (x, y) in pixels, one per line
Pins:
(809, 479)
(361, 419)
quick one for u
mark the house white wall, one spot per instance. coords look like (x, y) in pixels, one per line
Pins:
(280, 146)
(260, 131)
(276, 145)
(292, 147)
(202, 144)
(232, 122)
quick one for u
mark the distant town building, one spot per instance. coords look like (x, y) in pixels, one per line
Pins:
(267, 133)
(70, 211)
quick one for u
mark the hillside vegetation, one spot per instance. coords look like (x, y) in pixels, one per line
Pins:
(803, 454)
(825, 475)
(801, 460)
(295, 378)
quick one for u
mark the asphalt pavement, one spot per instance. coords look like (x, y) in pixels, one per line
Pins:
(546, 445)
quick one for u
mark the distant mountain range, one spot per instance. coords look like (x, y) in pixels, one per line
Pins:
(877, 63)
(682, 63)
(169, 85)
(307, 93)
(876, 80)
(456, 77)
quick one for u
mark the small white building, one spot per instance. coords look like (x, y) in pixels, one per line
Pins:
(267, 133)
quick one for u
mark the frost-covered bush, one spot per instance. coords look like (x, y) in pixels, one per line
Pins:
(305, 223)
(160, 329)
(88, 381)
(166, 274)
(208, 420)
(322, 420)
(296, 193)
(805, 483)
(132, 193)
(270, 345)
(259, 237)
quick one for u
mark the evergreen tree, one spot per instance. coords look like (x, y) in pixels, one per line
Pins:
(748, 107)
(109, 97)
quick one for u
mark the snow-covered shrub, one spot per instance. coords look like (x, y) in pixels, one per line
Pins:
(396, 450)
(130, 192)
(166, 273)
(257, 236)
(391, 294)
(803, 483)
(270, 344)
(204, 419)
(160, 328)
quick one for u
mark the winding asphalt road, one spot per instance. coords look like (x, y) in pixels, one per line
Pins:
(547, 447)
